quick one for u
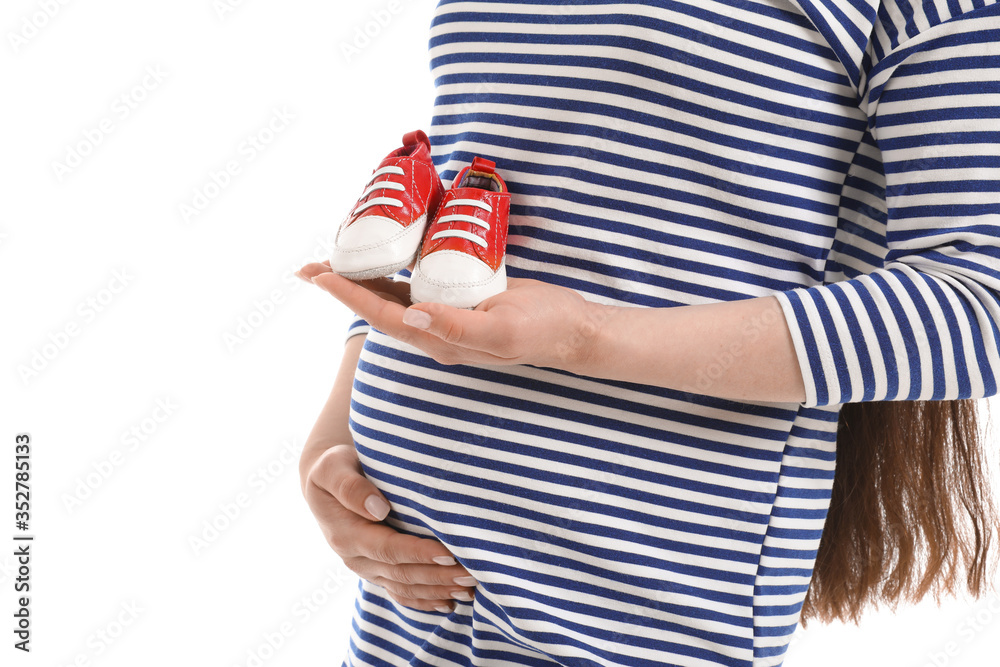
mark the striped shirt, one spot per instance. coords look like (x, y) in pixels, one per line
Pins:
(842, 156)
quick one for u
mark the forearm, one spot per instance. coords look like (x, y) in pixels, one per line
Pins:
(739, 350)
(331, 426)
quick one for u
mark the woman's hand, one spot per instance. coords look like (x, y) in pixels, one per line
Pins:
(740, 349)
(530, 323)
(390, 290)
(416, 572)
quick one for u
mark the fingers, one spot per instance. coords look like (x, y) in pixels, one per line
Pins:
(347, 505)
(471, 329)
(424, 587)
(418, 582)
(312, 269)
(393, 290)
(408, 566)
(338, 472)
(417, 572)
(395, 548)
(425, 597)
(463, 337)
(399, 563)
(379, 554)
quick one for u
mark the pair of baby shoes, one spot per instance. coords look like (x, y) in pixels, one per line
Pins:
(458, 237)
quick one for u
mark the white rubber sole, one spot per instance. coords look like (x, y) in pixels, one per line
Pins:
(380, 259)
(459, 295)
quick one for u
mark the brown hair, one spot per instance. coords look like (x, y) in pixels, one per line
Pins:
(912, 510)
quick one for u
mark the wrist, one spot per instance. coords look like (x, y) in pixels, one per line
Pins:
(311, 453)
(585, 350)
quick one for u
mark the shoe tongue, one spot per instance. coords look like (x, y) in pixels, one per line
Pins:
(480, 182)
(481, 174)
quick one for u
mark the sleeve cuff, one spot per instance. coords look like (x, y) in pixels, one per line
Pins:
(357, 327)
(808, 353)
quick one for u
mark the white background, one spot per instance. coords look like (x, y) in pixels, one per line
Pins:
(123, 305)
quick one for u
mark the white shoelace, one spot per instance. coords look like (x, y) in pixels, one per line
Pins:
(382, 185)
(461, 217)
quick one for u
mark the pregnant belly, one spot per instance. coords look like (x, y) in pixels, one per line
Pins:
(427, 436)
(563, 501)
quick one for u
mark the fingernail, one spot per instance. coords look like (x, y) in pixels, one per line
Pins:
(416, 318)
(445, 560)
(462, 596)
(465, 581)
(444, 609)
(377, 507)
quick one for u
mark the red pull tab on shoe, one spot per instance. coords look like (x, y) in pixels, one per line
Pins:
(483, 166)
(416, 137)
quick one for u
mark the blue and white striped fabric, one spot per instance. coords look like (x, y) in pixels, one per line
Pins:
(842, 156)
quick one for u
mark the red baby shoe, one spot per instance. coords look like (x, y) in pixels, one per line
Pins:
(461, 262)
(382, 234)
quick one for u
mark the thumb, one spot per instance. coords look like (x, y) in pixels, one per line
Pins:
(418, 318)
(471, 329)
(338, 472)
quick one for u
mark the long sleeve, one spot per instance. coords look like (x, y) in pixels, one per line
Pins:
(357, 326)
(924, 326)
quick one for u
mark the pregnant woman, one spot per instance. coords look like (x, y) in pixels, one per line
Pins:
(754, 292)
